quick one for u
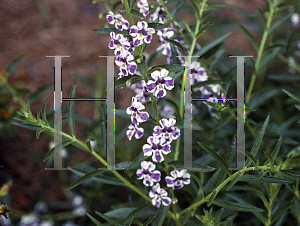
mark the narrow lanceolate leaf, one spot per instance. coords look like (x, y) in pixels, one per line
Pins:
(279, 23)
(157, 26)
(277, 148)
(261, 196)
(39, 93)
(51, 152)
(149, 221)
(94, 220)
(258, 141)
(13, 65)
(217, 157)
(287, 78)
(126, 80)
(39, 131)
(135, 212)
(108, 30)
(256, 179)
(131, 3)
(109, 220)
(250, 156)
(136, 13)
(177, 8)
(169, 67)
(45, 121)
(181, 125)
(249, 35)
(174, 53)
(212, 197)
(121, 213)
(136, 163)
(175, 43)
(291, 95)
(234, 180)
(209, 82)
(161, 215)
(27, 126)
(152, 108)
(71, 112)
(211, 45)
(85, 178)
(230, 219)
(282, 208)
(236, 206)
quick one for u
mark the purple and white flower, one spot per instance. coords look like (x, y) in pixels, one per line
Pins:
(142, 94)
(156, 148)
(118, 20)
(134, 129)
(143, 6)
(167, 111)
(135, 110)
(165, 45)
(160, 14)
(148, 174)
(126, 64)
(198, 73)
(295, 18)
(178, 179)
(159, 196)
(167, 130)
(160, 83)
(141, 33)
(119, 43)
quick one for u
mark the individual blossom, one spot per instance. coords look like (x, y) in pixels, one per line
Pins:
(159, 196)
(126, 64)
(134, 129)
(167, 130)
(167, 111)
(198, 73)
(177, 179)
(159, 83)
(148, 174)
(156, 148)
(142, 94)
(163, 34)
(117, 19)
(143, 6)
(135, 110)
(160, 14)
(141, 33)
(295, 18)
(119, 43)
(29, 220)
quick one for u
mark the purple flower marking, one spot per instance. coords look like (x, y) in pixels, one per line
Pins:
(134, 128)
(198, 73)
(178, 179)
(155, 147)
(165, 45)
(148, 174)
(141, 33)
(167, 130)
(135, 110)
(160, 83)
(119, 43)
(144, 7)
(118, 20)
(126, 64)
(160, 14)
(159, 196)
(167, 111)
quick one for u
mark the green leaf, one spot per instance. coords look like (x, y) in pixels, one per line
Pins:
(45, 121)
(288, 78)
(39, 131)
(268, 59)
(109, 220)
(33, 97)
(175, 43)
(258, 141)
(211, 45)
(108, 30)
(120, 213)
(185, 218)
(142, 68)
(10, 69)
(136, 13)
(126, 80)
(180, 125)
(137, 161)
(116, 5)
(249, 36)
(149, 221)
(256, 179)
(291, 95)
(229, 219)
(291, 173)
(177, 8)
(217, 157)
(196, 166)
(122, 114)
(209, 82)
(152, 108)
(131, 3)
(279, 23)
(27, 126)
(262, 14)
(71, 112)
(250, 156)
(136, 211)
(100, 178)
(157, 26)
(212, 197)
(161, 214)
(94, 220)
(234, 180)
(174, 54)
(281, 210)
(51, 152)
(169, 67)
(84, 178)
(187, 27)
(261, 196)
(236, 206)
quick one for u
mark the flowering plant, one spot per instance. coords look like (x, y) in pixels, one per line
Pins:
(170, 184)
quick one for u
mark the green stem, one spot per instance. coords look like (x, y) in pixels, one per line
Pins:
(106, 5)
(286, 60)
(259, 54)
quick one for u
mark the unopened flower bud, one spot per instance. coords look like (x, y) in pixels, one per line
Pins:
(128, 83)
(101, 16)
